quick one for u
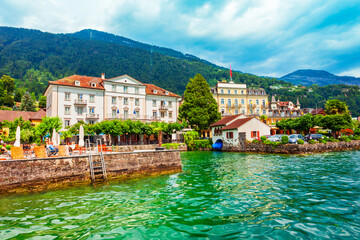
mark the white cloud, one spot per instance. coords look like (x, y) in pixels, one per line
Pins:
(352, 72)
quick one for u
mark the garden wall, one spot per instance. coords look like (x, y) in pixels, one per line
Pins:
(131, 148)
(57, 172)
(301, 149)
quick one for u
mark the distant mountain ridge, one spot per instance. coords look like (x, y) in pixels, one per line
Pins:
(90, 34)
(307, 77)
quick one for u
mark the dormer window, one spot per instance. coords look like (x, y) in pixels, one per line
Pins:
(93, 84)
(77, 83)
(166, 93)
(154, 91)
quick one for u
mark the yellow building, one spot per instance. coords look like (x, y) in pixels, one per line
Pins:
(234, 98)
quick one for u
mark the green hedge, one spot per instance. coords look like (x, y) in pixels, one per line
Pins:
(300, 141)
(284, 139)
(171, 145)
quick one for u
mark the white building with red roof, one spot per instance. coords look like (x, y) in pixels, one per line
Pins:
(228, 128)
(92, 99)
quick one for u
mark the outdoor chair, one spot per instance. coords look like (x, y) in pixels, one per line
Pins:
(51, 150)
(17, 153)
(40, 151)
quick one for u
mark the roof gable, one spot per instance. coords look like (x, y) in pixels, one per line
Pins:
(126, 79)
(237, 123)
(226, 120)
(12, 115)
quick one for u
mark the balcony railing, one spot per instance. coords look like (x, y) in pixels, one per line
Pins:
(80, 102)
(163, 107)
(92, 116)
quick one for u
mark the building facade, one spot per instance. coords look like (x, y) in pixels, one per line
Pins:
(91, 99)
(234, 98)
(280, 110)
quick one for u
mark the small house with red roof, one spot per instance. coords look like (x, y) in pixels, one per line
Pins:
(228, 128)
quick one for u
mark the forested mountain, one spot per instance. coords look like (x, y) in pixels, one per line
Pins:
(53, 56)
(33, 58)
(307, 77)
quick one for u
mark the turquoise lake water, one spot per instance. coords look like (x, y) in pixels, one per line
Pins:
(217, 196)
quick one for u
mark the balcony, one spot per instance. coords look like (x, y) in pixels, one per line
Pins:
(80, 102)
(163, 108)
(132, 117)
(92, 116)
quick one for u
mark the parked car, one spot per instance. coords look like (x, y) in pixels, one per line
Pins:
(276, 138)
(293, 138)
(315, 136)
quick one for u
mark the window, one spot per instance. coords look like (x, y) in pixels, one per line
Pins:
(170, 104)
(242, 91)
(236, 103)
(255, 134)
(242, 101)
(113, 113)
(243, 111)
(250, 101)
(222, 91)
(67, 123)
(137, 90)
(79, 110)
(125, 89)
(92, 98)
(264, 103)
(113, 100)
(137, 114)
(264, 112)
(154, 91)
(249, 92)
(236, 111)
(162, 114)
(229, 91)
(137, 102)
(222, 111)
(251, 111)
(67, 110)
(229, 102)
(92, 110)
(170, 114)
(257, 101)
(154, 114)
(77, 83)
(235, 91)
(67, 96)
(91, 121)
(113, 87)
(125, 101)
(80, 96)
(154, 103)
(229, 135)
(126, 114)
(166, 93)
(222, 101)
(93, 84)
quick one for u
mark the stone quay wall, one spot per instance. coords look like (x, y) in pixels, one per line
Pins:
(131, 148)
(302, 149)
(58, 172)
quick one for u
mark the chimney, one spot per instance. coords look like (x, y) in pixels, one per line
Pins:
(102, 76)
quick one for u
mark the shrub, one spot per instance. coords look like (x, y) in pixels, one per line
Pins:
(200, 144)
(8, 147)
(323, 141)
(345, 139)
(263, 138)
(312, 141)
(300, 141)
(171, 145)
(255, 141)
(284, 139)
(267, 142)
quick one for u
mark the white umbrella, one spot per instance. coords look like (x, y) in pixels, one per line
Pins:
(54, 137)
(58, 139)
(81, 136)
(17, 141)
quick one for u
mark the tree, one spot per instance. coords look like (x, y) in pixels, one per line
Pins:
(199, 108)
(47, 125)
(335, 106)
(336, 122)
(263, 118)
(27, 103)
(33, 96)
(42, 102)
(18, 96)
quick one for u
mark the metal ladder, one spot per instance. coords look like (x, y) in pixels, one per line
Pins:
(97, 167)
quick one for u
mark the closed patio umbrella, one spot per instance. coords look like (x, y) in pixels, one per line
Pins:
(81, 136)
(17, 141)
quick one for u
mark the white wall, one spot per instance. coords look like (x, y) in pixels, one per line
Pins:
(254, 125)
(174, 108)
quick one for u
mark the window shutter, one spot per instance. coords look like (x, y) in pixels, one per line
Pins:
(252, 134)
(258, 134)
(227, 135)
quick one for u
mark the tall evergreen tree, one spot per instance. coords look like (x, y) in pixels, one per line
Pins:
(42, 102)
(199, 108)
(27, 103)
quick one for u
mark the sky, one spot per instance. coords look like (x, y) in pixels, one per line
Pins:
(262, 37)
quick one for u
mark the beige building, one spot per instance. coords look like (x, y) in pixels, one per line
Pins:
(234, 98)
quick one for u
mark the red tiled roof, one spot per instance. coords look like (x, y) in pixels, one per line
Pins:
(38, 115)
(283, 104)
(236, 124)
(85, 81)
(160, 91)
(11, 115)
(224, 120)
